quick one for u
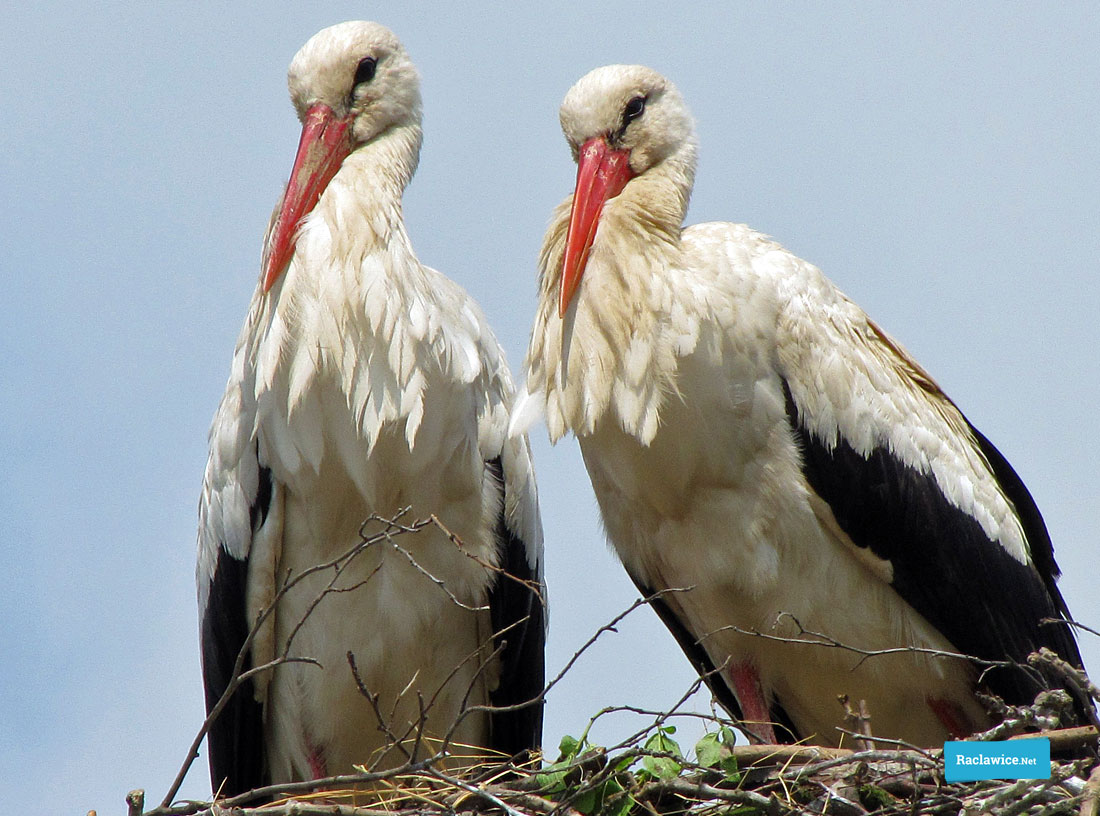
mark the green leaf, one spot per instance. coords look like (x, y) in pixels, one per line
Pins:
(622, 807)
(729, 768)
(874, 797)
(661, 767)
(625, 763)
(552, 780)
(568, 748)
(587, 802)
(612, 788)
(709, 750)
(716, 751)
(594, 800)
(662, 742)
(552, 777)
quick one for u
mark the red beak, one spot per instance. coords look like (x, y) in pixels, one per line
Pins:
(601, 175)
(326, 141)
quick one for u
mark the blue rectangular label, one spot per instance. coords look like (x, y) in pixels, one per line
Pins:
(1004, 759)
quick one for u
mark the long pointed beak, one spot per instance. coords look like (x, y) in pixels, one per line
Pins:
(325, 142)
(601, 175)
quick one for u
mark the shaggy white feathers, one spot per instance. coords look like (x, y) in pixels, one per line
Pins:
(651, 289)
(366, 382)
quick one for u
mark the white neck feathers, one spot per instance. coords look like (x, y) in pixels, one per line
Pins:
(613, 355)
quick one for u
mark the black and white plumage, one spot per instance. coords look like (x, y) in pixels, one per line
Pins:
(362, 383)
(751, 435)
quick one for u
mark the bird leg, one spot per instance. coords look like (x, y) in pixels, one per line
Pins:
(954, 719)
(317, 765)
(754, 708)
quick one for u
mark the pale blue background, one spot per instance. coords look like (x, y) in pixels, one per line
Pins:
(938, 161)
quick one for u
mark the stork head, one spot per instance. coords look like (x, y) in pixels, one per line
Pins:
(621, 121)
(350, 83)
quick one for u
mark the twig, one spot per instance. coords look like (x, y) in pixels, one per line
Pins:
(1018, 796)
(330, 589)
(464, 709)
(1074, 677)
(1072, 623)
(439, 582)
(758, 755)
(481, 793)
(698, 791)
(806, 779)
(291, 788)
(873, 742)
(659, 717)
(1091, 794)
(607, 627)
(372, 699)
(910, 757)
(238, 675)
(858, 719)
(820, 639)
(535, 586)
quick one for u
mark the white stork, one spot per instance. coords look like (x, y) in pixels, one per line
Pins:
(362, 383)
(751, 435)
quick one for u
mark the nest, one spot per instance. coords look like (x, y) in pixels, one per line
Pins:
(651, 776)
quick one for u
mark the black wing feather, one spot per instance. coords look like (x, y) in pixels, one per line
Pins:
(984, 601)
(518, 616)
(235, 739)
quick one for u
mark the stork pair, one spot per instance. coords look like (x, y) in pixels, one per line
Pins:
(755, 442)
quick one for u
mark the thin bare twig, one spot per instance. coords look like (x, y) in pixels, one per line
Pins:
(372, 699)
(439, 582)
(808, 637)
(1091, 795)
(535, 586)
(858, 720)
(238, 675)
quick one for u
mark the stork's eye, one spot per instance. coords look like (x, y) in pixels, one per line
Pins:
(364, 72)
(634, 108)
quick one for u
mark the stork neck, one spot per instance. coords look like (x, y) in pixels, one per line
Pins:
(362, 206)
(660, 195)
(388, 161)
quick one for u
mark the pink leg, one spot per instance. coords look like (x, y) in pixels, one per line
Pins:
(317, 765)
(754, 708)
(952, 716)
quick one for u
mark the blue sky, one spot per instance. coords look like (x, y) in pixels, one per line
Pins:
(938, 161)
